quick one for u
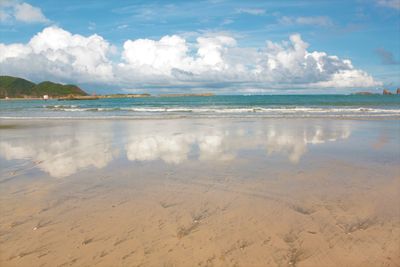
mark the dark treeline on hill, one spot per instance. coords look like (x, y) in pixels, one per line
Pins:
(15, 87)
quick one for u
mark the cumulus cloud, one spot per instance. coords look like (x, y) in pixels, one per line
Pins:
(22, 12)
(314, 21)
(57, 53)
(173, 61)
(292, 63)
(389, 3)
(170, 54)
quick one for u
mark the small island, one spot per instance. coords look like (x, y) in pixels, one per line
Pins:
(384, 92)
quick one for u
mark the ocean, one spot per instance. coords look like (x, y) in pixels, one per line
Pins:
(348, 106)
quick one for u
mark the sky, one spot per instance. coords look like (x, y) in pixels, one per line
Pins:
(220, 46)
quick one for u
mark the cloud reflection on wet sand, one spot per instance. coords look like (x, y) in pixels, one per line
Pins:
(61, 155)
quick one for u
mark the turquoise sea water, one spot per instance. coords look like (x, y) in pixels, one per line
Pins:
(213, 106)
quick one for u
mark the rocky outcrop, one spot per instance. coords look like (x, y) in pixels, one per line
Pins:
(398, 91)
(386, 92)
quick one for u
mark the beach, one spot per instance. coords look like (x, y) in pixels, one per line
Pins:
(200, 192)
(216, 133)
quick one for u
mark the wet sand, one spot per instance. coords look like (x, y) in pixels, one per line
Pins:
(260, 192)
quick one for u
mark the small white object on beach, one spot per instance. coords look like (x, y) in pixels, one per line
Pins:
(45, 97)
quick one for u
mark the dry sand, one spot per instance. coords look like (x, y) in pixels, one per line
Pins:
(248, 210)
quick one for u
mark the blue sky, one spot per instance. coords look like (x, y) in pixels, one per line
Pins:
(215, 45)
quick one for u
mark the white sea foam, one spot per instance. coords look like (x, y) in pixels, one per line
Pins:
(229, 110)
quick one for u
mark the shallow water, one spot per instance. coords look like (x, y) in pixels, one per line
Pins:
(354, 106)
(223, 192)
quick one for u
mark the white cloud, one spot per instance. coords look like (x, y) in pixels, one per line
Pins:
(389, 3)
(314, 21)
(251, 11)
(57, 53)
(156, 56)
(172, 60)
(22, 12)
(26, 13)
(171, 53)
(293, 63)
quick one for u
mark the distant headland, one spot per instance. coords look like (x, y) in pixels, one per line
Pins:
(14, 87)
(19, 88)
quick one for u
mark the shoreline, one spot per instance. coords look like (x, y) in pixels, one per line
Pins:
(183, 95)
(94, 118)
(99, 97)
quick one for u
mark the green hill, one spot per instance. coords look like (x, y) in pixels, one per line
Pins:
(15, 87)
(56, 89)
